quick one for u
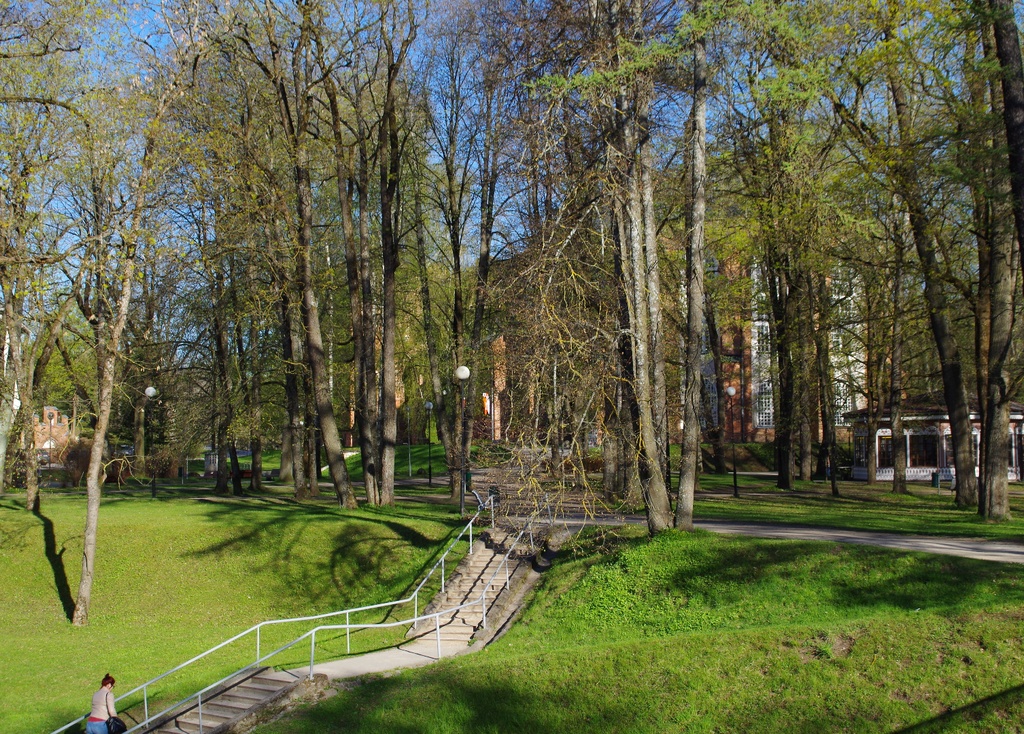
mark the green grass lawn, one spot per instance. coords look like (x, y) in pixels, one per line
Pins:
(924, 511)
(175, 576)
(683, 633)
(701, 633)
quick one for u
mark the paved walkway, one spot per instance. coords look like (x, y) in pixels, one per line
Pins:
(982, 550)
(1001, 551)
(413, 654)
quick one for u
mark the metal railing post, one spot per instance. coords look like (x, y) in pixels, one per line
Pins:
(471, 537)
(257, 645)
(437, 633)
(145, 701)
(312, 652)
(506, 570)
(416, 609)
(200, 699)
(483, 604)
(442, 574)
(348, 633)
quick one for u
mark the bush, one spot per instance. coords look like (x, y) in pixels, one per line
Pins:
(76, 460)
(162, 463)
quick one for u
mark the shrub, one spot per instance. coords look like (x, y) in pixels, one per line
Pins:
(76, 460)
(163, 463)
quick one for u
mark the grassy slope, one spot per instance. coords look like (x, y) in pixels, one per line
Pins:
(705, 633)
(823, 636)
(175, 576)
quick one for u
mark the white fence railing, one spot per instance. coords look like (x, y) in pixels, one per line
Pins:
(255, 631)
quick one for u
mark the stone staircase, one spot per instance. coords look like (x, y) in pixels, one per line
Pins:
(228, 705)
(234, 706)
(466, 586)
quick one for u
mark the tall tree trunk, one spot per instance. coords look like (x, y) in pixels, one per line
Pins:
(627, 411)
(826, 382)
(314, 340)
(717, 356)
(782, 323)
(389, 153)
(32, 497)
(255, 407)
(443, 423)
(805, 381)
(369, 439)
(108, 338)
(996, 504)
(659, 406)
(310, 455)
(659, 512)
(953, 386)
(347, 188)
(689, 462)
(611, 478)
(899, 441)
(294, 440)
(1007, 41)
(225, 405)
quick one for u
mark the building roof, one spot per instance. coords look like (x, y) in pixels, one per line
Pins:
(929, 408)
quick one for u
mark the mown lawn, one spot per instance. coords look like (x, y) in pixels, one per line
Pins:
(925, 511)
(701, 633)
(175, 576)
(683, 633)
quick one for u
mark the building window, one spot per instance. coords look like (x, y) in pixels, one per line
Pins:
(843, 403)
(764, 405)
(924, 450)
(860, 450)
(885, 452)
(950, 452)
(711, 406)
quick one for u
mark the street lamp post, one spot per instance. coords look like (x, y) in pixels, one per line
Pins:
(151, 393)
(731, 392)
(430, 470)
(462, 374)
(681, 451)
(49, 448)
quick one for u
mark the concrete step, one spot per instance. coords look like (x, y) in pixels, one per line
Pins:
(224, 707)
(210, 720)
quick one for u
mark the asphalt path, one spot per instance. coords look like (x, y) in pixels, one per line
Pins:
(1000, 551)
(982, 550)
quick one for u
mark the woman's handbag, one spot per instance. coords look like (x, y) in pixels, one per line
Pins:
(116, 726)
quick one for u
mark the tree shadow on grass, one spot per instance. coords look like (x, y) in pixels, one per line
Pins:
(363, 549)
(381, 707)
(996, 704)
(56, 560)
(916, 581)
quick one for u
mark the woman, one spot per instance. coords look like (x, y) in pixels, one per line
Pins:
(102, 707)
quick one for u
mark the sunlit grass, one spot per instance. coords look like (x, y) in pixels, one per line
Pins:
(700, 633)
(175, 576)
(924, 511)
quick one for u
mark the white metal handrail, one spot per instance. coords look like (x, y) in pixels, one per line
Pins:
(481, 600)
(414, 597)
(348, 627)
